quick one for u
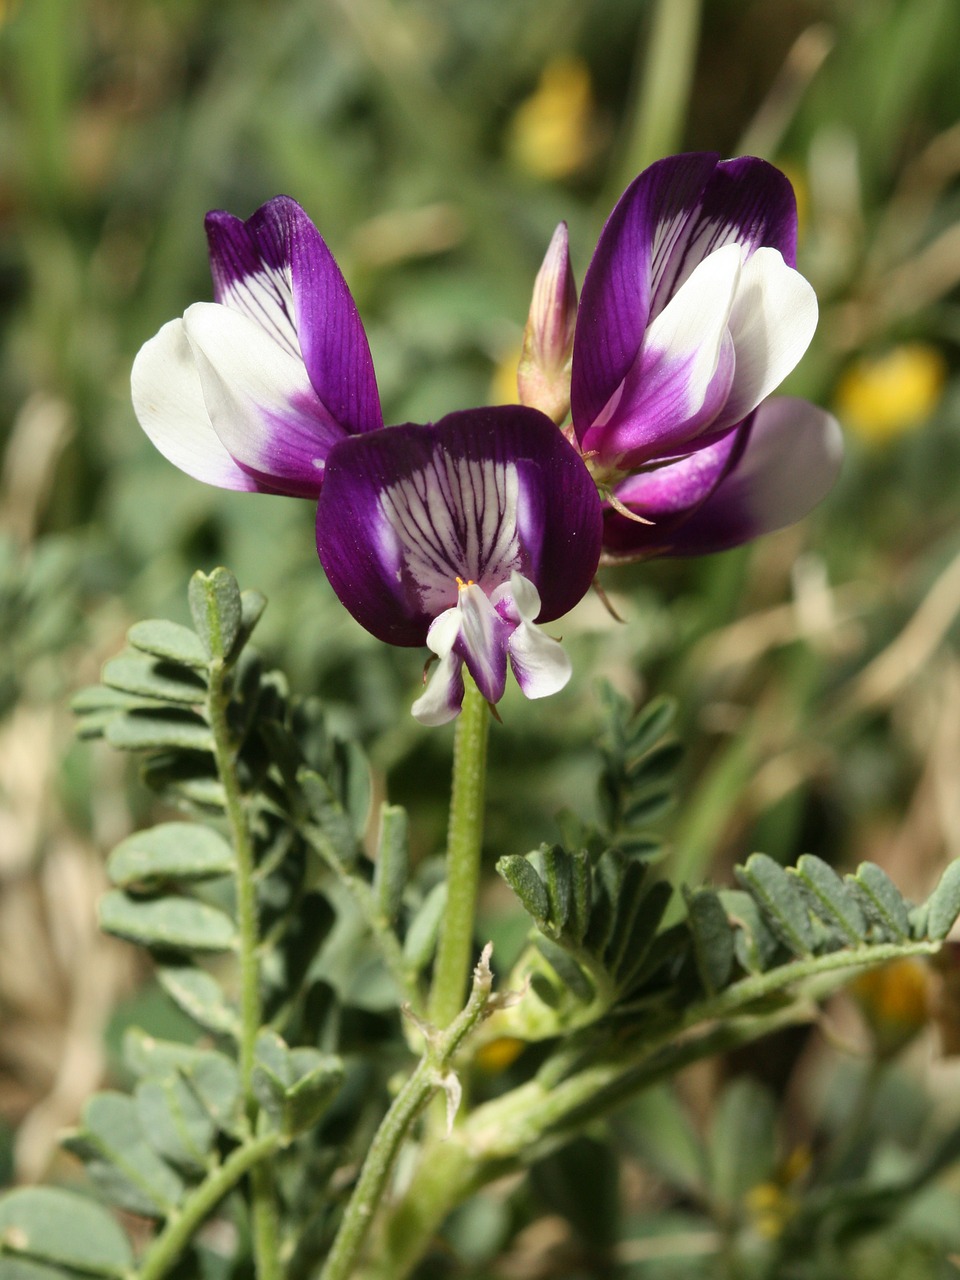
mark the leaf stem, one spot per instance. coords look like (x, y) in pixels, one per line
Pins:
(167, 1249)
(464, 841)
(431, 1074)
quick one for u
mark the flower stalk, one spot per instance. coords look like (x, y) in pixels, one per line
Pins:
(464, 841)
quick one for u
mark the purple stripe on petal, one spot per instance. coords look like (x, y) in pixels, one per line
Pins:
(260, 401)
(277, 270)
(635, 247)
(683, 373)
(407, 510)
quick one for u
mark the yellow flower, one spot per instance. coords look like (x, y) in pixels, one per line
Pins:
(497, 1055)
(503, 384)
(896, 1001)
(553, 133)
(880, 397)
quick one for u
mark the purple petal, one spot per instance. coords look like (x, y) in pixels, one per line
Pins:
(668, 495)
(615, 299)
(406, 511)
(168, 401)
(260, 401)
(276, 269)
(668, 220)
(789, 464)
(682, 375)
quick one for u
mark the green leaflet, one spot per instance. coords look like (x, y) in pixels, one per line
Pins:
(168, 924)
(53, 1226)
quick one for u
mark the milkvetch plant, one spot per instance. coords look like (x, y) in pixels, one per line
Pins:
(312, 1135)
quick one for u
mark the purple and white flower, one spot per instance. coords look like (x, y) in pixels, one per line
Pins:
(463, 535)
(692, 313)
(253, 390)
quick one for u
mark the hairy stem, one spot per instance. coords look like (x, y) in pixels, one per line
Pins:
(432, 1073)
(167, 1249)
(464, 841)
(263, 1200)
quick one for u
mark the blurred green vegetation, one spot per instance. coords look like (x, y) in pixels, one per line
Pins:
(436, 145)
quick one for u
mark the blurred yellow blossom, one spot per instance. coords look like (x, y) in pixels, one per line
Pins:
(496, 1055)
(554, 132)
(771, 1204)
(896, 1002)
(503, 384)
(879, 397)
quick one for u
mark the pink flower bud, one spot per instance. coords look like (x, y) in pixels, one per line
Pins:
(543, 377)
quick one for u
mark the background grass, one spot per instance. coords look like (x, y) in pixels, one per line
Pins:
(436, 145)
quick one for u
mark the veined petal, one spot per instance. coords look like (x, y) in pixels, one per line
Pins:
(789, 464)
(168, 401)
(675, 214)
(260, 400)
(406, 511)
(684, 371)
(772, 321)
(276, 269)
(615, 299)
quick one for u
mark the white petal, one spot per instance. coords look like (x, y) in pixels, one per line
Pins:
(690, 330)
(526, 597)
(168, 401)
(443, 696)
(772, 321)
(260, 400)
(539, 663)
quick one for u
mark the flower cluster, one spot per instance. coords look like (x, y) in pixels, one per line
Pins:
(468, 533)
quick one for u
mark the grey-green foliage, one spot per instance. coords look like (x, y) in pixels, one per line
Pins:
(190, 703)
(598, 912)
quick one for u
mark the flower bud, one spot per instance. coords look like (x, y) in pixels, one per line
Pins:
(543, 377)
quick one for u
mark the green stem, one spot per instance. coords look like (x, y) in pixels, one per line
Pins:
(247, 923)
(167, 1249)
(464, 841)
(263, 1200)
(509, 1132)
(383, 936)
(432, 1073)
(663, 87)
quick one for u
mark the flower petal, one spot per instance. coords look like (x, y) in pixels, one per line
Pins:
(667, 496)
(539, 662)
(276, 269)
(615, 299)
(676, 213)
(443, 696)
(790, 463)
(168, 402)
(772, 321)
(683, 374)
(482, 642)
(407, 510)
(260, 401)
